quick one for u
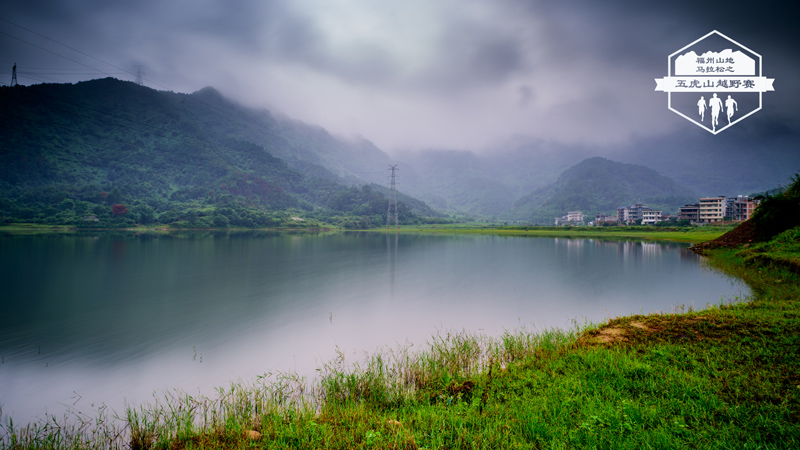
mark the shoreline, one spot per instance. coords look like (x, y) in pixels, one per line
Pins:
(693, 235)
(719, 377)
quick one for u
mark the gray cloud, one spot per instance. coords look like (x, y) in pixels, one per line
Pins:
(526, 95)
(415, 73)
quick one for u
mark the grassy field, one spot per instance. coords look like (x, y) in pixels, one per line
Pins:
(693, 234)
(34, 228)
(727, 376)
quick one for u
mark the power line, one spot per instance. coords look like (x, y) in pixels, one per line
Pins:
(139, 76)
(247, 122)
(75, 50)
(50, 51)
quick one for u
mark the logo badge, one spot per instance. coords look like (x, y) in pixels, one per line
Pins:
(714, 82)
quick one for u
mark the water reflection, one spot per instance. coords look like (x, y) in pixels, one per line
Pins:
(115, 316)
(391, 252)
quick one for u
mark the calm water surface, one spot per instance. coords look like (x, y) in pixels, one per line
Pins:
(111, 318)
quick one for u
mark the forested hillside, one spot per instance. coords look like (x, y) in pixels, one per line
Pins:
(598, 185)
(70, 153)
(110, 153)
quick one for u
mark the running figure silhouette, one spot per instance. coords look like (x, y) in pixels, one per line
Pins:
(701, 108)
(715, 103)
(729, 105)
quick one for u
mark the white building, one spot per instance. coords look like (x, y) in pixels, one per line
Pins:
(571, 217)
(650, 217)
(575, 216)
(712, 209)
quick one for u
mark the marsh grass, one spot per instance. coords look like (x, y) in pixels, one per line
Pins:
(289, 410)
(726, 376)
(73, 429)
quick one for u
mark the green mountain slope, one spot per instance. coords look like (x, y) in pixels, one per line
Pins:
(598, 185)
(69, 152)
(309, 149)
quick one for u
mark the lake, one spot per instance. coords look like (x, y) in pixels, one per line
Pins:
(112, 317)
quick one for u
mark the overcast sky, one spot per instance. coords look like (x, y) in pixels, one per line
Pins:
(413, 73)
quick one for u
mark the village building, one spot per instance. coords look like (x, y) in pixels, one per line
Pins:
(650, 217)
(740, 208)
(690, 212)
(712, 209)
(630, 214)
(571, 217)
(600, 219)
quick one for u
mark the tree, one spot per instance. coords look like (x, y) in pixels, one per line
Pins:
(221, 221)
(146, 214)
(118, 209)
(115, 196)
(66, 204)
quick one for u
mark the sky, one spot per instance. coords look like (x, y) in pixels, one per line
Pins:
(411, 74)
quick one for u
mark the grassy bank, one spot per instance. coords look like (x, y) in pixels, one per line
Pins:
(726, 377)
(693, 234)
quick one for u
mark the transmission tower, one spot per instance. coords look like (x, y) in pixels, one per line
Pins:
(139, 75)
(14, 76)
(392, 199)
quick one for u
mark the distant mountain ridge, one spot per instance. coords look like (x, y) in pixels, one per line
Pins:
(598, 185)
(485, 184)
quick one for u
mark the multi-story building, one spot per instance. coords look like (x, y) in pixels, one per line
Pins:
(600, 219)
(690, 212)
(650, 217)
(729, 201)
(741, 208)
(570, 217)
(628, 214)
(712, 209)
(575, 216)
(748, 208)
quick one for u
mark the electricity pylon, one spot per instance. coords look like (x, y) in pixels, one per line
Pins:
(392, 199)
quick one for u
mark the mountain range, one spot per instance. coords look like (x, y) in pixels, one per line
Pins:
(71, 151)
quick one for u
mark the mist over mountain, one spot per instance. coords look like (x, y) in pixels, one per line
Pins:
(71, 152)
(485, 184)
(305, 147)
(598, 185)
(170, 153)
(755, 156)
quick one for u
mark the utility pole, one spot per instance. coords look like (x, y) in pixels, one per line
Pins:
(392, 199)
(14, 76)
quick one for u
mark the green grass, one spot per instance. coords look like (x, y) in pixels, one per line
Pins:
(726, 376)
(693, 234)
(33, 228)
(783, 250)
